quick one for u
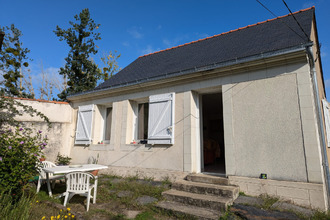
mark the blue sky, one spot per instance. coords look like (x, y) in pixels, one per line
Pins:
(135, 28)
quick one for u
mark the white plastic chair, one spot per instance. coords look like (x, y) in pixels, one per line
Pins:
(43, 176)
(80, 183)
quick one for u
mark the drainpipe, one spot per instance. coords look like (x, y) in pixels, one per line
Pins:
(320, 127)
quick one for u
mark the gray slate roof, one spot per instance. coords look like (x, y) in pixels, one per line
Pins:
(263, 37)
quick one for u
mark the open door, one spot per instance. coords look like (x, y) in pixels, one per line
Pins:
(213, 150)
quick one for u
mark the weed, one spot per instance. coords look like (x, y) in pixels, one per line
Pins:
(166, 180)
(268, 201)
(132, 178)
(242, 193)
(149, 179)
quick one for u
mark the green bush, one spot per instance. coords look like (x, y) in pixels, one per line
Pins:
(20, 150)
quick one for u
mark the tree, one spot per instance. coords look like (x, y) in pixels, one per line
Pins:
(13, 58)
(111, 65)
(80, 71)
(27, 83)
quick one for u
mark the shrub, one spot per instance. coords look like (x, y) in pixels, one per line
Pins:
(19, 153)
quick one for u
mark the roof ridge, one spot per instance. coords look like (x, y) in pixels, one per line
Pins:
(241, 28)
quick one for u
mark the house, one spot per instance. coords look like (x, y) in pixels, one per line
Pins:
(239, 104)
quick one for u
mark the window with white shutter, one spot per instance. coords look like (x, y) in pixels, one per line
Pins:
(161, 119)
(84, 125)
(326, 119)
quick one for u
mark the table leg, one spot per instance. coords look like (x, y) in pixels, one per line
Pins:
(48, 185)
(95, 189)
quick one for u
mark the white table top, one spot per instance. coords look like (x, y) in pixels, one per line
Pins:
(68, 169)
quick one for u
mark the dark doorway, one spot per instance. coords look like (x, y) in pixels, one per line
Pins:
(213, 134)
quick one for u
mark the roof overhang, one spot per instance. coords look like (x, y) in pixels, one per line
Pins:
(217, 69)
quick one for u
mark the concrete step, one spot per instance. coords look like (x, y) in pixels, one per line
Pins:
(207, 189)
(201, 178)
(199, 200)
(187, 210)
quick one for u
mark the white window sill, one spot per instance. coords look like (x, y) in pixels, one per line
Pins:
(101, 147)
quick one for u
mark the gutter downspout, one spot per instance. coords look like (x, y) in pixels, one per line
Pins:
(325, 164)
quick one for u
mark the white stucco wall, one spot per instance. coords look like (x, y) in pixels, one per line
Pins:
(269, 125)
(60, 134)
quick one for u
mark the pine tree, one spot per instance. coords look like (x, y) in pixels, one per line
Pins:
(80, 71)
(13, 57)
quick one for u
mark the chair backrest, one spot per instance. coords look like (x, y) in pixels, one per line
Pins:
(45, 164)
(78, 182)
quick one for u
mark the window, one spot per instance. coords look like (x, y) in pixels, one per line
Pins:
(142, 119)
(107, 124)
(154, 121)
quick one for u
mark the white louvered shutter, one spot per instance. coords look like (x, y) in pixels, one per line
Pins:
(326, 119)
(161, 119)
(84, 125)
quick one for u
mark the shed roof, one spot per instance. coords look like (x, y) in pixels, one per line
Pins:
(264, 37)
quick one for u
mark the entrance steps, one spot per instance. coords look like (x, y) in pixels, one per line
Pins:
(202, 196)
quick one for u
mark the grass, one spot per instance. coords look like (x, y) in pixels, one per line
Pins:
(318, 215)
(19, 210)
(109, 205)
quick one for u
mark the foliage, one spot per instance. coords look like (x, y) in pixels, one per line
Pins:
(111, 65)
(63, 160)
(19, 157)
(81, 72)
(13, 58)
(10, 108)
(15, 210)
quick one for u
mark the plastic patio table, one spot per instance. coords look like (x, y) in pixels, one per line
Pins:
(68, 169)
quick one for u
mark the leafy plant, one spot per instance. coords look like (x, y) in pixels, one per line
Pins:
(63, 160)
(19, 158)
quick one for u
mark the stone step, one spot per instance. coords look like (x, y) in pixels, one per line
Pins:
(187, 210)
(199, 200)
(207, 189)
(201, 178)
